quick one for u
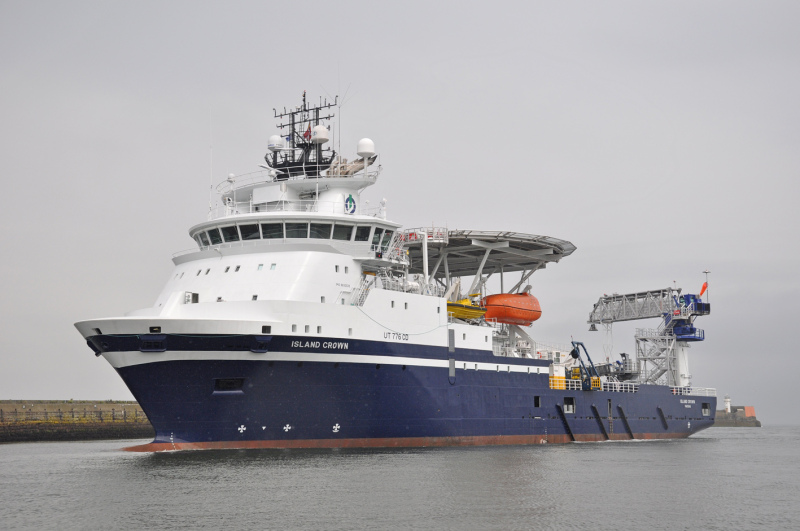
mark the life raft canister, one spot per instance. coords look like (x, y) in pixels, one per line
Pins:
(512, 308)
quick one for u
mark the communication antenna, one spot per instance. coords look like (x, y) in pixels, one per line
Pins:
(210, 157)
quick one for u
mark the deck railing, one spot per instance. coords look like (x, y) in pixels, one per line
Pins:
(694, 391)
(620, 387)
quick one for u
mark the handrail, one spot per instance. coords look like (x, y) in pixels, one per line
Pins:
(236, 208)
(694, 391)
(265, 176)
(620, 387)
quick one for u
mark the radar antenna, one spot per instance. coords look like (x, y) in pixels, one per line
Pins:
(304, 154)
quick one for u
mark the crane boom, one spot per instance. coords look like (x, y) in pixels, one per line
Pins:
(633, 306)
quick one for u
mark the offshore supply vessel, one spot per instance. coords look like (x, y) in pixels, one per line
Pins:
(303, 318)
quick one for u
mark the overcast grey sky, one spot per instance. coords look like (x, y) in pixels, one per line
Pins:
(660, 138)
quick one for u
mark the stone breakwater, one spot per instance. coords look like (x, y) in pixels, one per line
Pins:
(71, 420)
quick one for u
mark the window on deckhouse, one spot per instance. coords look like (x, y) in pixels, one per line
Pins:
(272, 231)
(387, 237)
(215, 237)
(362, 233)
(320, 231)
(376, 238)
(250, 232)
(297, 230)
(230, 233)
(342, 232)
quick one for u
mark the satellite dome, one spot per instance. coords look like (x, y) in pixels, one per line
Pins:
(366, 148)
(275, 143)
(319, 135)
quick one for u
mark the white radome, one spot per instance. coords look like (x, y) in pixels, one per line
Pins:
(275, 143)
(366, 148)
(319, 135)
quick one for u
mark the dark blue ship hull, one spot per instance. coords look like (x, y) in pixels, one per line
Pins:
(278, 401)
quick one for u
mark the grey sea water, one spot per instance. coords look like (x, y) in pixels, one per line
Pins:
(722, 478)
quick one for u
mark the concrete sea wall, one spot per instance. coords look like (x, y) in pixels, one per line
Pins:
(71, 420)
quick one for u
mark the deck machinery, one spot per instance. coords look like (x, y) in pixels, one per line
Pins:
(661, 353)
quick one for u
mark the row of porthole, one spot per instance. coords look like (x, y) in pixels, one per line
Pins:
(307, 330)
(260, 267)
(196, 299)
(508, 368)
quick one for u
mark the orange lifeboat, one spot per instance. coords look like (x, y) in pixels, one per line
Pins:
(512, 308)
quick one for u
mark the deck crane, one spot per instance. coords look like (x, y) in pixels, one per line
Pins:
(661, 353)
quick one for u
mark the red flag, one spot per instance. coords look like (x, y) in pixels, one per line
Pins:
(705, 287)
(307, 134)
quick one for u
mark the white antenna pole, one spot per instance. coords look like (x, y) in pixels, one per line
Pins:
(210, 158)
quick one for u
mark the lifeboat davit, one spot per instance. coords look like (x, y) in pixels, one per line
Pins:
(512, 308)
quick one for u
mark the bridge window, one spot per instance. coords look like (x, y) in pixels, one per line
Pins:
(250, 232)
(321, 231)
(272, 231)
(203, 239)
(230, 233)
(342, 232)
(362, 233)
(376, 238)
(297, 230)
(214, 235)
(387, 237)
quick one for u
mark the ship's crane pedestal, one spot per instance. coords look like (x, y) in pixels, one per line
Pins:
(661, 353)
